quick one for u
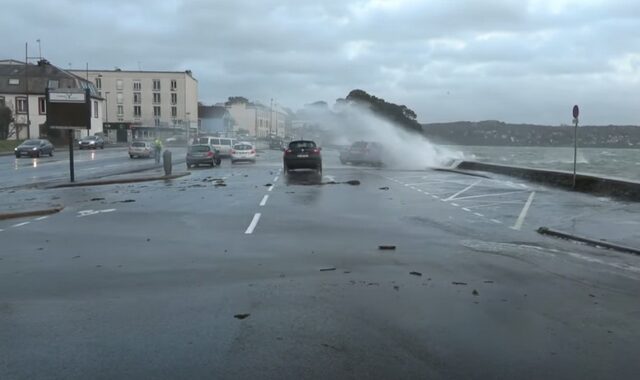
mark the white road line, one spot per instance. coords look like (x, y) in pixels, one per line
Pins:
(264, 200)
(21, 224)
(496, 221)
(435, 197)
(454, 204)
(42, 218)
(488, 204)
(270, 188)
(466, 209)
(523, 213)
(108, 210)
(491, 195)
(406, 185)
(276, 178)
(463, 190)
(253, 224)
(420, 190)
(1, 230)
(478, 214)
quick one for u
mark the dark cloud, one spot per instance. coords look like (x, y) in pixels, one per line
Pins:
(516, 60)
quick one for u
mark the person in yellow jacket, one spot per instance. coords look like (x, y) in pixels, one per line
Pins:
(157, 145)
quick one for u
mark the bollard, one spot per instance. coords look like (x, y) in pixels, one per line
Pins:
(166, 161)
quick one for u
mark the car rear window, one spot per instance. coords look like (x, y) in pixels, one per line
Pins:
(302, 144)
(31, 142)
(203, 140)
(138, 145)
(242, 147)
(200, 148)
(225, 142)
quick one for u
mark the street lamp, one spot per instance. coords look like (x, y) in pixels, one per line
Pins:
(106, 106)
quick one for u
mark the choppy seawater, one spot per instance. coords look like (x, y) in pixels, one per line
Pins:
(620, 163)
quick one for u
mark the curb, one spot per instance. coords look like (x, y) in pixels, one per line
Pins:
(24, 214)
(592, 242)
(118, 181)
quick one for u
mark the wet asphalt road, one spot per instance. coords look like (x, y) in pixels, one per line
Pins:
(89, 164)
(144, 280)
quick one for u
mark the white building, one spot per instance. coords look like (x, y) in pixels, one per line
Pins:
(152, 103)
(28, 102)
(256, 119)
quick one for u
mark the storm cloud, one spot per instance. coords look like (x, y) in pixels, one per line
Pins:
(513, 60)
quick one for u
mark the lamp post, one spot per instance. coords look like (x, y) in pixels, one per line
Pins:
(106, 106)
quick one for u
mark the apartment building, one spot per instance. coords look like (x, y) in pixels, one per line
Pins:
(151, 103)
(22, 89)
(256, 119)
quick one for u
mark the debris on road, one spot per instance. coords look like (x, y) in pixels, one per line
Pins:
(148, 239)
(241, 316)
(488, 282)
(384, 188)
(327, 269)
(387, 247)
(96, 199)
(396, 288)
(475, 292)
(415, 273)
(127, 201)
(268, 184)
(459, 283)
(353, 182)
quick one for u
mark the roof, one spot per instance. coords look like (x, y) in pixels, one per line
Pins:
(212, 112)
(10, 62)
(39, 76)
(187, 72)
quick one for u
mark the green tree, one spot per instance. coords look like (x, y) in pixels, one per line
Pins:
(236, 99)
(398, 114)
(6, 117)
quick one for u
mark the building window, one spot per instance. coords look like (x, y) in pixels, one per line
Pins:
(137, 86)
(42, 105)
(21, 104)
(156, 97)
(119, 98)
(100, 93)
(14, 81)
(174, 111)
(137, 111)
(120, 110)
(98, 82)
(174, 84)
(174, 98)
(157, 122)
(96, 112)
(53, 83)
(118, 84)
(2, 103)
(156, 111)
(137, 98)
(156, 85)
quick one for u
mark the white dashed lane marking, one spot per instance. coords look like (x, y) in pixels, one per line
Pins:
(42, 218)
(264, 200)
(270, 188)
(20, 224)
(478, 214)
(253, 224)
(276, 178)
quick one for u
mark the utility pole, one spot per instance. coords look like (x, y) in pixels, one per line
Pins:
(576, 114)
(39, 48)
(271, 119)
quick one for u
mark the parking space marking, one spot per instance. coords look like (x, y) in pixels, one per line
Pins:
(488, 204)
(270, 188)
(264, 200)
(42, 218)
(464, 190)
(435, 196)
(20, 224)
(523, 213)
(276, 178)
(466, 209)
(496, 221)
(454, 204)
(478, 214)
(254, 223)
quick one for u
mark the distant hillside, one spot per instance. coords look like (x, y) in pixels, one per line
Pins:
(496, 133)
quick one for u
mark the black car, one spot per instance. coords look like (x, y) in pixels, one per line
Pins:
(34, 148)
(202, 154)
(363, 153)
(302, 154)
(91, 142)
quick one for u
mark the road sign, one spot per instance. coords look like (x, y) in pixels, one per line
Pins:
(68, 108)
(576, 112)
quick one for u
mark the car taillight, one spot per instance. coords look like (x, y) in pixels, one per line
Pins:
(210, 154)
(233, 151)
(316, 150)
(288, 151)
(253, 151)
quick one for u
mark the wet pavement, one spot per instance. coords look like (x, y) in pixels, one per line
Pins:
(241, 271)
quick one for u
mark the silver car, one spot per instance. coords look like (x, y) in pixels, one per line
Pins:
(142, 149)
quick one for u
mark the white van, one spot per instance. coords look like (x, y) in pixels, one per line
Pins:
(221, 144)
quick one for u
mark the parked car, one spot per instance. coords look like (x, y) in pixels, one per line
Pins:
(91, 142)
(34, 148)
(202, 154)
(363, 153)
(221, 144)
(276, 144)
(243, 151)
(302, 154)
(142, 149)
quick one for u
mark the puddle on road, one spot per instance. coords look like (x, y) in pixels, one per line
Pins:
(506, 248)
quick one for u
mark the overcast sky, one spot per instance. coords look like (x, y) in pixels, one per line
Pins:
(512, 60)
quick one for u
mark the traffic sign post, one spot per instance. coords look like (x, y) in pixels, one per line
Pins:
(576, 114)
(70, 109)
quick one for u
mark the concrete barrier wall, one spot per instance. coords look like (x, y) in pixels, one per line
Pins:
(591, 184)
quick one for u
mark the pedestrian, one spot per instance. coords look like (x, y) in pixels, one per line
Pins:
(158, 149)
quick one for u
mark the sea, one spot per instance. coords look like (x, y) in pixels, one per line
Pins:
(616, 163)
